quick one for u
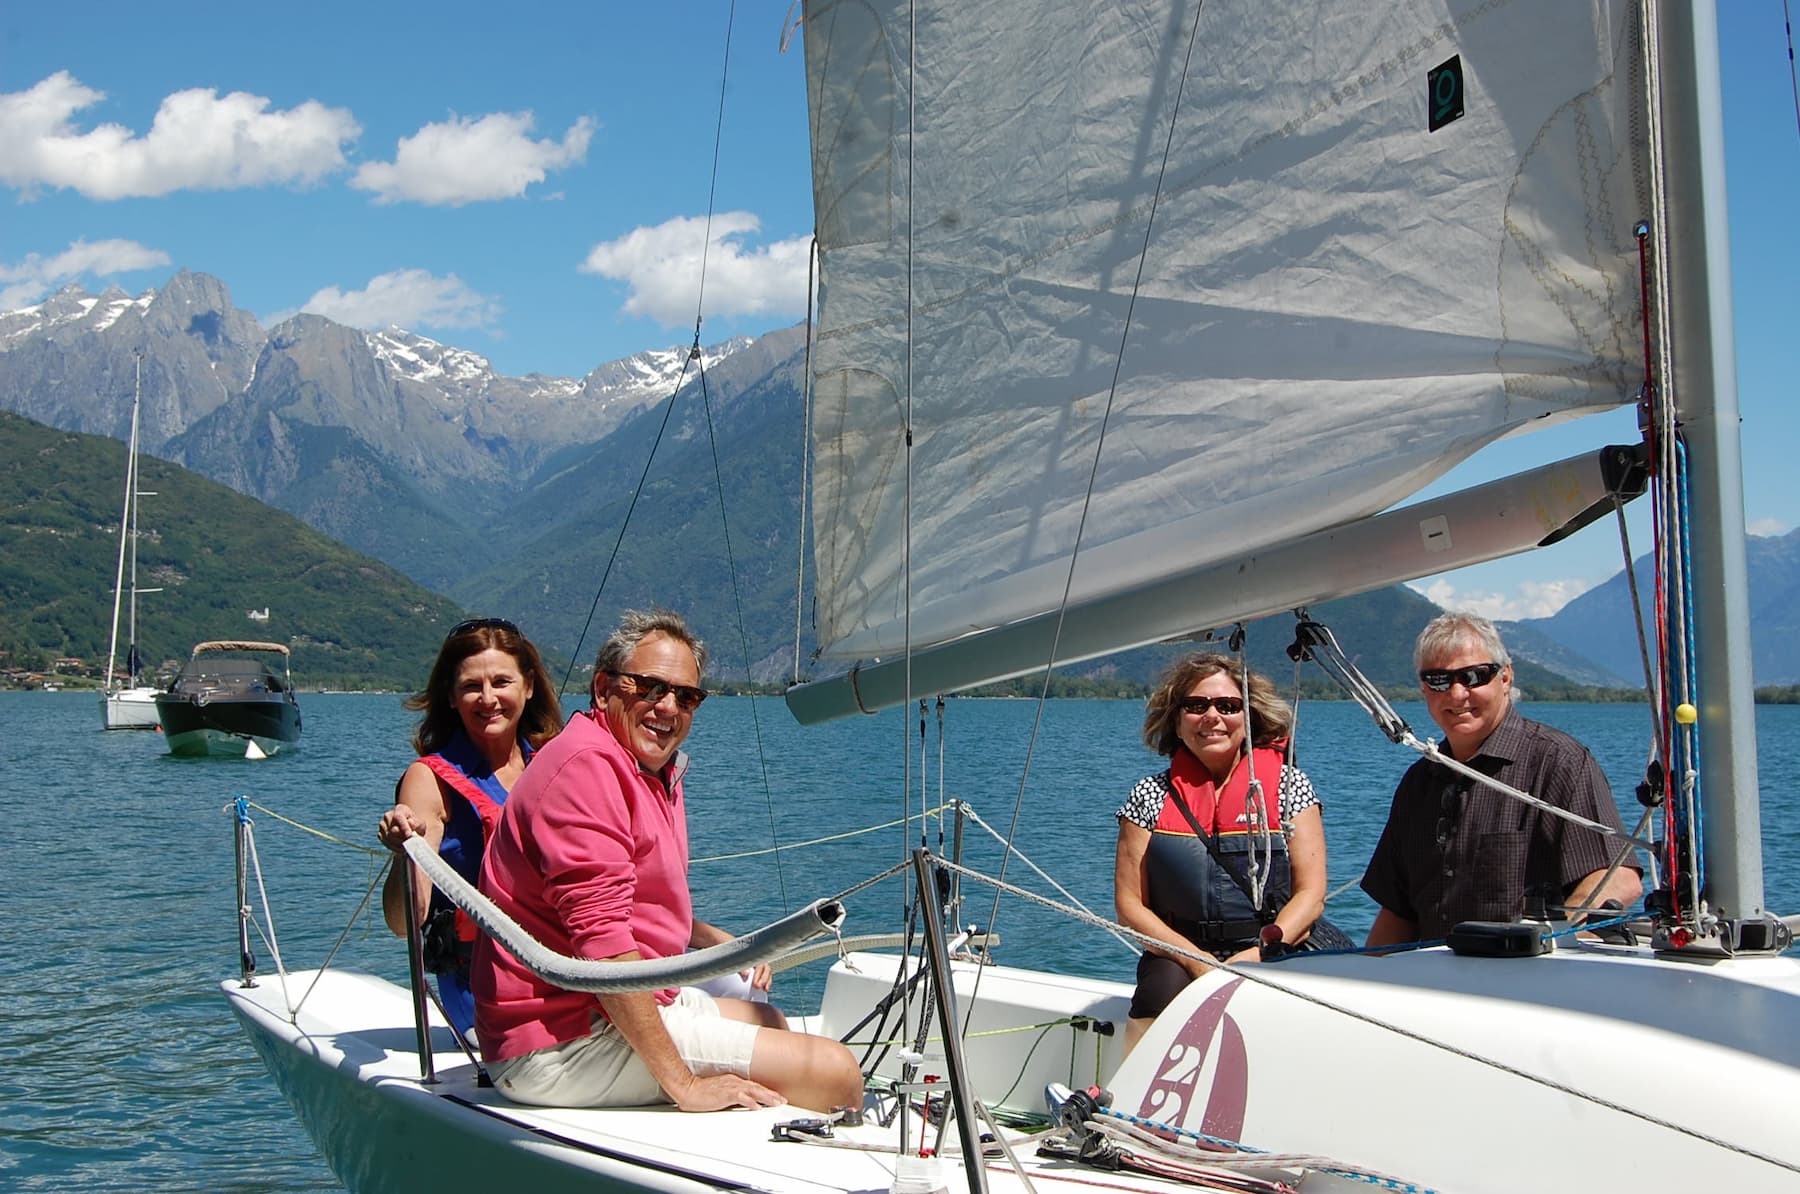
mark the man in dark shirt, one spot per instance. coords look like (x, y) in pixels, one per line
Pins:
(1454, 849)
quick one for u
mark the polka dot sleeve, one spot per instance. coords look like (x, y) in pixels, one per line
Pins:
(1145, 804)
(1297, 794)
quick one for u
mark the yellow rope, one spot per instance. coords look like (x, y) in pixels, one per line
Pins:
(382, 851)
(972, 1035)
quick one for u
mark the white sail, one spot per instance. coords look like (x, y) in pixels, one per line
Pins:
(1336, 303)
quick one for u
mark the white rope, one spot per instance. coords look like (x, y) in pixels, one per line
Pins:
(605, 978)
(1430, 750)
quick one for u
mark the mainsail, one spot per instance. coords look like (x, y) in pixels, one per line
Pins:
(1297, 261)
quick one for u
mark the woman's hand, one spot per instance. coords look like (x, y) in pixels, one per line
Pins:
(1253, 954)
(396, 825)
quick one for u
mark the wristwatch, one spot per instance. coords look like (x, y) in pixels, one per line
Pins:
(1269, 942)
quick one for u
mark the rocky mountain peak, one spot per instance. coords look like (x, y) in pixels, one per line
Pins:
(421, 359)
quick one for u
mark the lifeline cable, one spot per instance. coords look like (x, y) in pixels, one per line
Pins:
(1087, 501)
(737, 602)
(681, 378)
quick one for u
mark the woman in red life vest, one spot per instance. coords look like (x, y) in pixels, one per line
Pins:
(1223, 852)
(487, 705)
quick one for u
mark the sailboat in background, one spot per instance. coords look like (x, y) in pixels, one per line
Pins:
(126, 702)
(1137, 318)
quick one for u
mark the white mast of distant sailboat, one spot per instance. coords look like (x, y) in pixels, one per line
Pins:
(127, 531)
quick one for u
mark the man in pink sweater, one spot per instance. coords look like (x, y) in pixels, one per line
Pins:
(591, 859)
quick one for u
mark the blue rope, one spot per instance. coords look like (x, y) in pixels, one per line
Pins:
(241, 807)
(1385, 1183)
(1689, 734)
(1586, 926)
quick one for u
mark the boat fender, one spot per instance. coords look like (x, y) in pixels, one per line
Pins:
(1499, 939)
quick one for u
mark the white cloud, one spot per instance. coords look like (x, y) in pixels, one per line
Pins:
(1768, 526)
(465, 161)
(198, 141)
(661, 265)
(36, 276)
(408, 298)
(1532, 599)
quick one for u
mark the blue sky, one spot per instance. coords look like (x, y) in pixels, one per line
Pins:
(532, 182)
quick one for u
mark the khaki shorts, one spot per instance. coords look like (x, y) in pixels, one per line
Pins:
(603, 1070)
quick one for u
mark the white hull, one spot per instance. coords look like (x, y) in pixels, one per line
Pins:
(221, 744)
(1278, 1072)
(129, 709)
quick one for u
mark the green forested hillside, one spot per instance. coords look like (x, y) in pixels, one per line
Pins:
(350, 621)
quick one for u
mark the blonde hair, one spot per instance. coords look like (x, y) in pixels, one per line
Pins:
(1271, 720)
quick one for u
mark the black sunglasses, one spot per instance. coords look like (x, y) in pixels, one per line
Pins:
(468, 624)
(1449, 815)
(651, 689)
(1227, 706)
(1476, 675)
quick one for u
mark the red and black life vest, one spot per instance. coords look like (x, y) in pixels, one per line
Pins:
(1200, 883)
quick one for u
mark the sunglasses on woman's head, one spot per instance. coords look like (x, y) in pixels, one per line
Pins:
(1200, 704)
(469, 624)
(652, 689)
(1476, 675)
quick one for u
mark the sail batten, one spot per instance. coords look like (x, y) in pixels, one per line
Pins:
(1336, 303)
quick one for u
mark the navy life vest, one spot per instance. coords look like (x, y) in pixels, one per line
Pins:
(1200, 883)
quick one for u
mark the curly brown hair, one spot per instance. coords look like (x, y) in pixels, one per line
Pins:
(538, 723)
(1271, 720)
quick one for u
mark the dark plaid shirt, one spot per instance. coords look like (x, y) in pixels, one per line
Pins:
(1455, 850)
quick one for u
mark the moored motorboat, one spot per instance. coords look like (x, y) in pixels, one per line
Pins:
(231, 701)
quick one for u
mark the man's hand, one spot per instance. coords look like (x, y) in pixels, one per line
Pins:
(724, 1090)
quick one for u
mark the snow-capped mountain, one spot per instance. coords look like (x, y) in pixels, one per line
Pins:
(376, 438)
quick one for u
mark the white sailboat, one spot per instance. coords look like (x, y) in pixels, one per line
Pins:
(1137, 319)
(126, 702)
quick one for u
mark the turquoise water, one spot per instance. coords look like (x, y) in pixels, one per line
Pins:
(121, 1069)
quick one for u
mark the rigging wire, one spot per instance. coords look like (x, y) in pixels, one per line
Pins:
(1787, 24)
(806, 405)
(737, 602)
(619, 540)
(1087, 501)
(681, 379)
(909, 908)
(1670, 522)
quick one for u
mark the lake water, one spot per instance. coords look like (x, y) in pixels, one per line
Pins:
(121, 1068)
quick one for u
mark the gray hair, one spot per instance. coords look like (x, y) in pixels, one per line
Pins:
(1444, 633)
(636, 625)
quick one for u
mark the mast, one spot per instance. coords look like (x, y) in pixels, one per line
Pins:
(1704, 374)
(127, 531)
(131, 651)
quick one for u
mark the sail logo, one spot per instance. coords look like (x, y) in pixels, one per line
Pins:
(1206, 1062)
(1444, 93)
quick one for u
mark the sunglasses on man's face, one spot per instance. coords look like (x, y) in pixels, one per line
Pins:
(1449, 815)
(1226, 706)
(652, 689)
(1477, 675)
